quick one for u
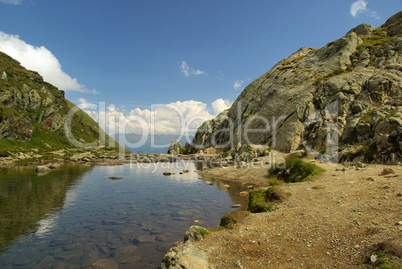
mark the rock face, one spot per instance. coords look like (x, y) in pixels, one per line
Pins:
(32, 109)
(174, 148)
(345, 96)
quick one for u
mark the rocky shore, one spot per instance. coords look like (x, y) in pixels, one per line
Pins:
(347, 217)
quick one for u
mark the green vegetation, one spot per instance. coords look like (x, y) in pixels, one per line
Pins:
(367, 152)
(294, 170)
(386, 261)
(263, 199)
(257, 202)
(376, 40)
(231, 218)
(336, 72)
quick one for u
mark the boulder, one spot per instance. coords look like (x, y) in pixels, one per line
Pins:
(174, 148)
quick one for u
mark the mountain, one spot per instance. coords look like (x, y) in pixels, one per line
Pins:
(33, 114)
(158, 143)
(344, 97)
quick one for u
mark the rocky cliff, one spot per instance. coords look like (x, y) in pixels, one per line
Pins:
(345, 97)
(33, 113)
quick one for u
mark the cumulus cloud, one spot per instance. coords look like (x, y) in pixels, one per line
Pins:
(174, 118)
(360, 7)
(220, 105)
(187, 71)
(12, 2)
(40, 59)
(237, 84)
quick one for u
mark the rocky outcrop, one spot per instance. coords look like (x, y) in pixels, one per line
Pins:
(328, 100)
(174, 148)
(186, 255)
(32, 110)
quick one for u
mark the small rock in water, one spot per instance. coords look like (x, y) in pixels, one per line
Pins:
(236, 206)
(181, 173)
(167, 173)
(186, 171)
(243, 193)
(226, 186)
(196, 221)
(115, 178)
(250, 187)
(105, 264)
(209, 183)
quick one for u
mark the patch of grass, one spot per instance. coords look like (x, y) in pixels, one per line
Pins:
(257, 202)
(386, 261)
(231, 218)
(263, 199)
(373, 41)
(274, 181)
(294, 170)
(336, 72)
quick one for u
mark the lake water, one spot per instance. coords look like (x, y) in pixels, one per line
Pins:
(74, 216)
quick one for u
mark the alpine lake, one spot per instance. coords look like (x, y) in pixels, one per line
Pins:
(76, 215)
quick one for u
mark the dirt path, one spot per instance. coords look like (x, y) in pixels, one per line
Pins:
(332, 221)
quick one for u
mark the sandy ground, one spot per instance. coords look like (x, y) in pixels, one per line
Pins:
(336, 220)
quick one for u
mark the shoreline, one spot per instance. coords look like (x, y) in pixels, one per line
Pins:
(340, 218)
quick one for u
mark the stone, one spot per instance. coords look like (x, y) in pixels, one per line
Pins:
(226, 186)
(174, 148)
(167, 173)
(195, 233)
(236, 206)
(145, 239)
(209, 183)
(298, 153)
(115, 178)
(370, 179)
(244, 193)
(105, 264)
(387, 171)
(184, 255)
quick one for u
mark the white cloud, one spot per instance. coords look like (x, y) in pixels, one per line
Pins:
(40, 59)
(237, 84)
(360, 7)
(12, 2)
(220, 105)
(174, 118)
(187, 71)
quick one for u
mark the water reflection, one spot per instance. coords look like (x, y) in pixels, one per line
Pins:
(27, 200)
(71, 223)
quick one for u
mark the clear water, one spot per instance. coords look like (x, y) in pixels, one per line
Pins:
(74, 216)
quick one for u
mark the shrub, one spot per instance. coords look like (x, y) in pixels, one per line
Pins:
(294, 170)
(231, 218)
(257, 202)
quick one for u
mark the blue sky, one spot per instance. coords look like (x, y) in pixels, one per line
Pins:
(133, 54)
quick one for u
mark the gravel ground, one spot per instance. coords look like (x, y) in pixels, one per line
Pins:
(336, 220)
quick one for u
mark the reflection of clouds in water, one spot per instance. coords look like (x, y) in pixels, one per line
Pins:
(46, 226)
(139, 169)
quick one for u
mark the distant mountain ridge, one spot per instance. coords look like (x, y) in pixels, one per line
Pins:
(33, 114)
(343, 98)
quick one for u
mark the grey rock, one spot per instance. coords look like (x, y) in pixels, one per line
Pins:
(174, 147)
(343, 94)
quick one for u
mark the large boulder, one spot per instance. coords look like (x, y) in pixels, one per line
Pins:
(174, 147)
